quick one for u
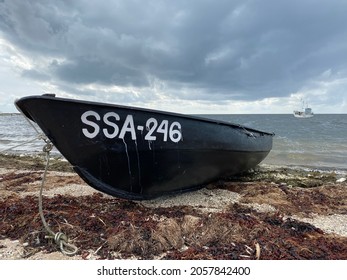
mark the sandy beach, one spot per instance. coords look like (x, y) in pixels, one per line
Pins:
(268, 213)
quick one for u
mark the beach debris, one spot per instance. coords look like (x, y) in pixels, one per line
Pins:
(110, 228)
(257, 250)
(126, 230)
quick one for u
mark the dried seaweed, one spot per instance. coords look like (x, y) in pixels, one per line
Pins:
(112, 228)
(127, 229)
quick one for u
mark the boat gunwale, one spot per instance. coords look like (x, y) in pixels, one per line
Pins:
(173, 114)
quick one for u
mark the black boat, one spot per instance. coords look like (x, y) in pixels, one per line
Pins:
(137, 153)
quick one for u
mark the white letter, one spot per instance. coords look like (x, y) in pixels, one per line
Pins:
(106, 121)
(92, 124)
(128, 126)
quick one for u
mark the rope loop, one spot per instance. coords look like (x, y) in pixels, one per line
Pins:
(65, 247)
(60, 238)
(62, 241)
(48, 147)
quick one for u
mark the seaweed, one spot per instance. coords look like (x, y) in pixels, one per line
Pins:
(113, 228)
(119, 228)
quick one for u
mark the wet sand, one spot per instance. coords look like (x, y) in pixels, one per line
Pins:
(268, 213)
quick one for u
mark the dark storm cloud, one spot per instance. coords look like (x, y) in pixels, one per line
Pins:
(242, 49)
(87, 70)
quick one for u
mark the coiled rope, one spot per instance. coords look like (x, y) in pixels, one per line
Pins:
(60, 238)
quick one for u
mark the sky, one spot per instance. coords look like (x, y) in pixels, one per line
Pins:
(197, 56)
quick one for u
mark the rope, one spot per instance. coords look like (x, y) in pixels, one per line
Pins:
(40, 136)
(250, 134)
(60, 238)
(27, 119)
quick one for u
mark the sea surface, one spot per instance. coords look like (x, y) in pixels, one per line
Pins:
(319, 142)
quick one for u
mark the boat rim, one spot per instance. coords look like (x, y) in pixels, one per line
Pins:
(94, 103)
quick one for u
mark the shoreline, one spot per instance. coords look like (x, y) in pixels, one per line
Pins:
(291, 213)
(38, 157)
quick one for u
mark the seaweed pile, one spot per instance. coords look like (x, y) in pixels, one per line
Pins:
(110, 228)
(117, 228)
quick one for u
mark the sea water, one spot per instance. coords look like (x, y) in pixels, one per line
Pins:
(319, 142)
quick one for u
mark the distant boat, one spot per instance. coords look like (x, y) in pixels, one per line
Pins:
(137, 153)
(306, 112)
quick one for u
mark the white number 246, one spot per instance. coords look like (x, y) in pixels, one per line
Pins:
(173, 132)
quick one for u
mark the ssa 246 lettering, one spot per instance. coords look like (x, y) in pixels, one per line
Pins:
(114, 127)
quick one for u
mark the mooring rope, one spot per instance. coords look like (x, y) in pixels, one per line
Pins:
(40, 136)
(27, 119)
(60, 238)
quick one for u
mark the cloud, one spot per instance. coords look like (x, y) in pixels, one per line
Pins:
(196, 50)
(35, 75)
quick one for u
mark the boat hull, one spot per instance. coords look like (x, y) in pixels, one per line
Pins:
(139, 154)
(303, 117)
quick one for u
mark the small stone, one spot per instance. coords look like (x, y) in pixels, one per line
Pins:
(341, 180)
